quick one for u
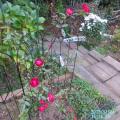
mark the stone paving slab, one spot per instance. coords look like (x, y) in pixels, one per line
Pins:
(112, 62)
(96, 55)
(99, 73)
(107, 68)
(82, 50)
(82, 72)
(90, 59)
(114, 84)
(82, 61)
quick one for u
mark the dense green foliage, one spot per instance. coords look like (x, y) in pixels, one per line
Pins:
(19, 26)
(85, 100)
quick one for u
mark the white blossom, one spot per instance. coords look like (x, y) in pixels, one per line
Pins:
(82, 24)
(80, 29)
(88, 22)
(95, 18)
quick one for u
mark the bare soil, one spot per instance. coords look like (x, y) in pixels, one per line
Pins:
(51, 114)
(10, 111)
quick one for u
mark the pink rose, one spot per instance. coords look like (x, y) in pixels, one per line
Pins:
(69, 11)
(39, 62)
(51, 97)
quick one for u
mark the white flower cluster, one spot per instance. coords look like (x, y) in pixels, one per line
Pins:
(95, 18)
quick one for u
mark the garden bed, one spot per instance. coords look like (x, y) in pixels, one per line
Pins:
(78, 99)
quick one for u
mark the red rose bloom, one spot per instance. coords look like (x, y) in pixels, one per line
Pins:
(85, 8)
(51, 97)
(43, 107)
(42, 101)
(34, 82)
(69, 11)
(46, 105)
(39, 62)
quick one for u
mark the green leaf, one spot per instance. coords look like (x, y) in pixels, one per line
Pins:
(28, 65)
(33, 13)
(39, 96)
(40, 28)
(8, 4)
(3, 48)
(41, 19)
(27, 103)
(60, 93)
(23, 115)
(16, 8)
(45, 89)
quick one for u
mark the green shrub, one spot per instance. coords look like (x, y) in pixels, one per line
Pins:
(85, 100)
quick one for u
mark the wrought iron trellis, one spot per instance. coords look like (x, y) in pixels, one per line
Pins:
(8, 85)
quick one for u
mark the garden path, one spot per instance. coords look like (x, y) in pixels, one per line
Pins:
(103, 72)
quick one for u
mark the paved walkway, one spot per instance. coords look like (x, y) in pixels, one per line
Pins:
(101, 71)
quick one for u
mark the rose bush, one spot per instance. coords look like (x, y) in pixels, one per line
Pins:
(38, 95)
(81, 20)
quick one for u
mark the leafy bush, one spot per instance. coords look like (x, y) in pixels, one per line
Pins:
(19, 25)
(93, 28)
(60, 6)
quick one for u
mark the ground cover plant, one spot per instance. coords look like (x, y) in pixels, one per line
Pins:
(87, 101)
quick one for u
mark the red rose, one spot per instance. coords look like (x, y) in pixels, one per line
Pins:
(43, 107)
(34, 82)
(85, 8)
(42, 101)
(51, 97)
(69, 11)
(39, 62)
(46, 105)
